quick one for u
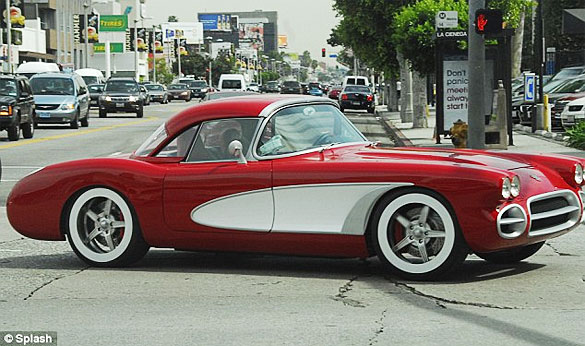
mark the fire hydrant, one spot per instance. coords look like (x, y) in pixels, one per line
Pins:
(459, 134)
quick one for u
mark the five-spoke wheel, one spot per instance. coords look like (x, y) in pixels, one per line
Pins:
(416, 235)
(103, 231)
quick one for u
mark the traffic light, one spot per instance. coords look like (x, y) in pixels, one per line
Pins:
(488, 21)
(322, 52)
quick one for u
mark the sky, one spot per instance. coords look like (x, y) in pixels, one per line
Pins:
(307, 23)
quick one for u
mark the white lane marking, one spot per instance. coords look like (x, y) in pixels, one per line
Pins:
(9, 180)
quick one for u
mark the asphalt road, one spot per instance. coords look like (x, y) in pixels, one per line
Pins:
(181, 298)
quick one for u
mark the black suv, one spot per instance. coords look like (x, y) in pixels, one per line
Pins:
(17, 107)
(121, 95)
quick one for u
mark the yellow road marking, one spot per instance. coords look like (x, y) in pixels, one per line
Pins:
(73, 134)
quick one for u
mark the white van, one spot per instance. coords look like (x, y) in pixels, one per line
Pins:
(31, 68)
(91, 76)
(355, 80)
(231, 82)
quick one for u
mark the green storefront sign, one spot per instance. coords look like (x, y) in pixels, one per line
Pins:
(113, 23)
(115, 47)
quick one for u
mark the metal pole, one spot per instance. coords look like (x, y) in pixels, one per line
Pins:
(179, 55)
(85, 34)
(9, 37)
(108, 61)
(153, 53)
(210, 80)
(136, 74)
(540, 55)
(476, 116)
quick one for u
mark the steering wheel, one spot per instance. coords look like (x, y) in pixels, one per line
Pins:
(324, 138)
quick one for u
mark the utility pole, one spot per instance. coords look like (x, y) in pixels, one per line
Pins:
(8, 36)
(539, 53)
(476, 64)
(179, 55)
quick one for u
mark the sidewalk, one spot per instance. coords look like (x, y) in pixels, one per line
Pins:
(405, 135)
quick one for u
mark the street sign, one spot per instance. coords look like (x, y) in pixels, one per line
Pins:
(446, 19)
(530, 87)
(333, 55)
(170, 34)
(113, 22)
(115, 47)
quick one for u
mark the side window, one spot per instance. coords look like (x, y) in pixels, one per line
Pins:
(28, 87)
(179, 147)
(215, 136)
(22, 88)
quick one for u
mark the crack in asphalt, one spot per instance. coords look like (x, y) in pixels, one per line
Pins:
(442, 301)
(51, 281)
(373, 340)
(342, 295)
(558, 252)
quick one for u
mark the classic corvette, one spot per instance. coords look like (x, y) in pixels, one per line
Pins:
(291, 175)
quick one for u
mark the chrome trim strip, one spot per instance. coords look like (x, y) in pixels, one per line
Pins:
(573, 201)
(510, 221)
(582, 196)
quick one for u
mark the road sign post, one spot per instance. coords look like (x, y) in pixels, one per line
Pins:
(530, 97)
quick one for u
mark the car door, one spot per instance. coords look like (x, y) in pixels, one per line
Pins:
(26, 100)
(210, 191)
(82, 96)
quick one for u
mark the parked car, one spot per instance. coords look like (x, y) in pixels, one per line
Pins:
(179, 91)
(272, 87)
(158, 93)
(199, 88)
(95, 90)
(17, 107)
(61, 98)
(569, 72)
(291, 87)
(145, 95)
(356, 97)
(121, 94)
(573, 113)
(297, 178)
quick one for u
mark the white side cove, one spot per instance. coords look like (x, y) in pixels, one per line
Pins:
(316, 208)
(247, 211)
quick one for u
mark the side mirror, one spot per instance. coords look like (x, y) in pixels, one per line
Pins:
(235, 149)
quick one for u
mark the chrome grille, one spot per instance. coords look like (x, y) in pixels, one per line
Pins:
(553, 212)
(46, 107)
(120, 99)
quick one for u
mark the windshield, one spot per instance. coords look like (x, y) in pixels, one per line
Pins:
(357, 89)
(154, 87)
(305, 127)
(571, 87)
(95, 88)
(178, 87)
(291, 84)
(569, 72)
(52, 86)
(121, 86)
(199, 84)
(90, 79)
(152, 142)
(8, 87)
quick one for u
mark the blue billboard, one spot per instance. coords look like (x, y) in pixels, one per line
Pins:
(215, 21)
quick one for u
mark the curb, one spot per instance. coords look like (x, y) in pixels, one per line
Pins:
(397, 136)
(556, 137)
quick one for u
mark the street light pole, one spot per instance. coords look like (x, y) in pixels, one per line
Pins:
(153, 53)
(85, 34)
(179, 55)
(476, 113)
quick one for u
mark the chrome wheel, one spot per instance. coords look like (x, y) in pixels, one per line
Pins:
(101, 226)
(416, 235)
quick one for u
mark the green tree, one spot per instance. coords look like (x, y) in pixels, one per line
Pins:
(172, 19)
(305, 59)
(163, 75)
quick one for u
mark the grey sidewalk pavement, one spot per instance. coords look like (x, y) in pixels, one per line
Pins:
(424, 137)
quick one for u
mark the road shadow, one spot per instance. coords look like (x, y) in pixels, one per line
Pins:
(161, 260)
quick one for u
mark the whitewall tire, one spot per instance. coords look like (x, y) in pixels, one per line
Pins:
(103, 230)
(416, 235)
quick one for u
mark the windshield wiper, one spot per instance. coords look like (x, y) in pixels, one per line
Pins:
(327, 146)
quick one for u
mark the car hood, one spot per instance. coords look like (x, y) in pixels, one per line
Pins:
(451, 156)
(6, 99)
(54, 99)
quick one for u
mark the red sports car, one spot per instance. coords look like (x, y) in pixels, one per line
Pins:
(291, 175)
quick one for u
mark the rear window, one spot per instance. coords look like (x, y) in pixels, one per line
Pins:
(153, 87)
(357, 89)
(90, 79)
(291, 84)
(178, 87)
(199, 84)
(231, 84)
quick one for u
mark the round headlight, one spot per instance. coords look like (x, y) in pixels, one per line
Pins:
(579, 174)
(515, 187)
(506, 188)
